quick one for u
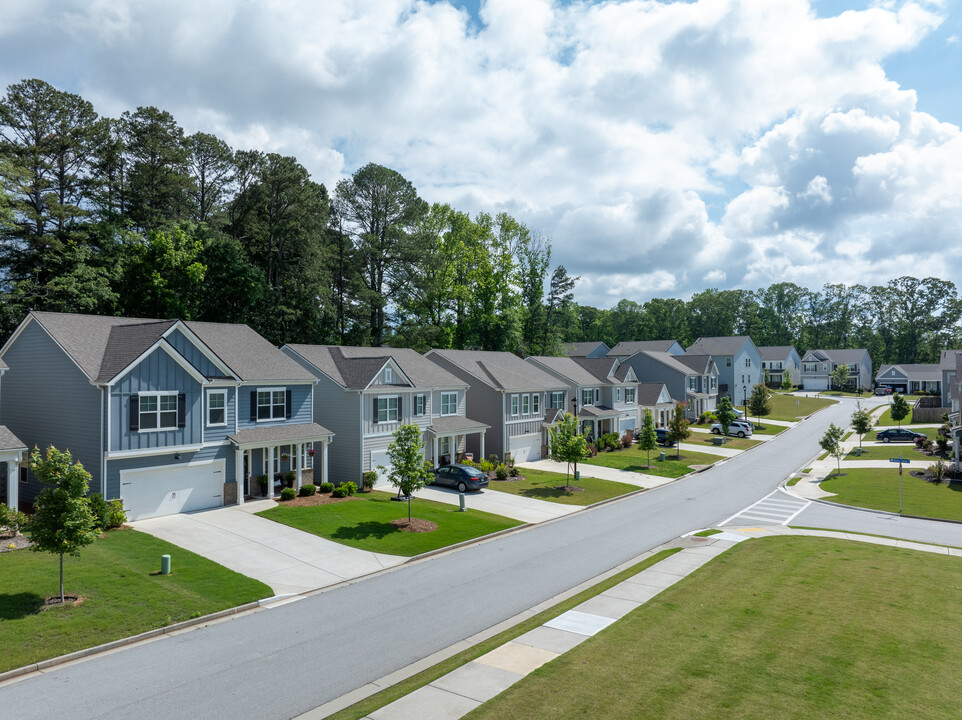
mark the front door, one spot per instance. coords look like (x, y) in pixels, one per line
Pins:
(247, 475)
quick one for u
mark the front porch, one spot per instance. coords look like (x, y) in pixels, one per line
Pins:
(598, 420)
(449, 437)
(276, 451)
(11, 453)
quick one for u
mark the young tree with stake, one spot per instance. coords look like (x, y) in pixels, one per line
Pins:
(725, 412)
(861, 422)
(648, 438)
(678, 428)
(409, 471)
(840, 376)
(567, 444)
(831, 442)
(900, 408)
(759, 403)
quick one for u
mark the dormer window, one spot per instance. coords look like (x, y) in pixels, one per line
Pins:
(388, 375)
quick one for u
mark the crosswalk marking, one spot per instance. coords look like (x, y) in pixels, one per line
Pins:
(777, 508)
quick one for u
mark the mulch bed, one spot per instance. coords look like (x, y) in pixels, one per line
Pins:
(569, 488)
(317, 499)
(68, 601)
(495, 478)
(415, 526)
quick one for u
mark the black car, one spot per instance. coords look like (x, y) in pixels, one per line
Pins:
(898, 435)
(462, 477)
(661, 435)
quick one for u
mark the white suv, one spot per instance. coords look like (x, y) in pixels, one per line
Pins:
(740, 428)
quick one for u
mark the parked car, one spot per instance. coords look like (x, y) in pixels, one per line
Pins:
(741, 428)
(898, 435)
(462, 477)
(661, 435)
(883, 390)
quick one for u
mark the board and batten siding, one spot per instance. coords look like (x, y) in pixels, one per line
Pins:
(158, 372)
(193, 354)
(219, 433)
(47, 400)
(300, 404)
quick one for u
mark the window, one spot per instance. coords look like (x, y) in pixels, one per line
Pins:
(597, 396)
(809, 367)
(387, 409)
(444, 446)
(617, 394)
(307, 460)
(388, 376)
(514, 404)
(692, 382)
(277, 462)
(271, 404)
(587, 396)
(525, 404)
(536, 403)
(714, 383)
(558, 400)
(630, 396)
(419, 405)
(748, 362)
(158, 411)
(449, 403)
(216, 407)
(728, 362)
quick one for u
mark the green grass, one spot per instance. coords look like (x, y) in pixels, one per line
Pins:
(634, 460)
(807, 470)
(793, 481)
(365, 707)
(707, 533)
(784, 408)
(768, 429)
(892, 450)
(879, 490)
(886, 420)
(123, 595)
(542, 485)
(789, 627)
(365, 523)
(734, 443)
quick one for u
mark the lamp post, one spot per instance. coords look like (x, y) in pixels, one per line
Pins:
(745, 399)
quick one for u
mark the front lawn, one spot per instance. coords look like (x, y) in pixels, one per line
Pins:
(789, 627)
(542, 485)
(784, 406)
(878, 489)
(634, 460)
(365, 523)
(892, 450)
(733, 443)
(886, 420)
(123, 595)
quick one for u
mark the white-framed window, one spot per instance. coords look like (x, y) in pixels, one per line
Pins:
(714, 383)
(216, 408)
(444, 446)
(307, 460)
(277, 462)
(692, 382)
(558, 400)
(271, 403)
(449, 403)
(597, 396)
(825, 367)
(809, 367)
(387, 408)
(587, 396)
(629, 396)
(158, 411)
(419, 405)
(748, 362)
(525, 404)
(728, 362)
(536, 403)
(617, 394)
(388, 375)
(515, 400)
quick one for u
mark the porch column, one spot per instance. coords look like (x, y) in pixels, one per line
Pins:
(239, 475)
(270, 471)
(482, 447)
(299, 448)
(435, 447)
(324, 448)
(13, 482)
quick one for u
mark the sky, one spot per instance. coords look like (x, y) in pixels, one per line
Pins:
(663, 147)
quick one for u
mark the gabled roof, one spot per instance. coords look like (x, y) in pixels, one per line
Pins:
(947, 359)
(915, 371)
(569, 368)
(357, 367)
(649, 393)
(718, 346)
(670, 361)
(103, 346)
(607, 370)
(775, 352)
(636, 346)
(701, 364)
(500, 370)
(840, 356)
(584, 349)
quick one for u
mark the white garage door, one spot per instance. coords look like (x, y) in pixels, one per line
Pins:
(626, 425)
(173, 489)
(525, 448)
(816, 384)
(381, 459)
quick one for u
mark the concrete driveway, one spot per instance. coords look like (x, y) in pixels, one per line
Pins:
(289, 560)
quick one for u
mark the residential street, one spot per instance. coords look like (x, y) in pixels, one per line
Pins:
(280, 662)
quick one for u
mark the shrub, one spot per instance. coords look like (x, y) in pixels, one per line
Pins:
(627, 439)
(307, 490)
(262, 483)
(288, 478)
(501, 472)
(612, 440)
(927, 445)
(943, 443)
(349, 487)
(11, 519)
(327, 487)
(486, 466)
(938, 471)
(513, 471)
(339, 492)
(493, 460)
(116, 515)
(368, 480)
(919, 441)
(592, 450)
(107, 515)
(508, 460)
(288, 494)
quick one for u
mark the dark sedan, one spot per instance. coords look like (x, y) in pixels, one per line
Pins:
(462, 477)
(661, 435)
(898, 435)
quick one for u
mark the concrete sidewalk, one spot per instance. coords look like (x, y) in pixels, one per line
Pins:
(721, 451)
(289, 560)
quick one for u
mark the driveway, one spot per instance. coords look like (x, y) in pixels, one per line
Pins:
(289, 560)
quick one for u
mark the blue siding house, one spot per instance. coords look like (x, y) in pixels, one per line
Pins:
(168, 415)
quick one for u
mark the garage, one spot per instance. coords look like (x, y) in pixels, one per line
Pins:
(151, 492)
(381, 459)
(525, 448)
(816, 383)
(626, 425)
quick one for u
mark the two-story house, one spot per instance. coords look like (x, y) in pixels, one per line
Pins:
(365, 394)
(690, 379)
(517, 399)
(914, 378)
(167, 415)
(605, 390)
(11, 456)
(947, 364)
(626, 349)
(777, 360)
(739, 364)
(817, 367)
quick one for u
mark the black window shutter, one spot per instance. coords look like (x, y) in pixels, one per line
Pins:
(253, 406)
(135, 412)
(399, 414)
(375, 411)
(181, 410)
(287, 405)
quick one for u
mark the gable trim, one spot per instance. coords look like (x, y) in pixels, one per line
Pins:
(199, 344)
(314, 368)
(394, 366)
(162, 344)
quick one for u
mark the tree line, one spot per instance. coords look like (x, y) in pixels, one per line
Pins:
(132, 216)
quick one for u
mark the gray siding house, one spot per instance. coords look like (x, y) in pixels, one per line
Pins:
(517, 399)
(739, 364)
(605, 389)
(626, 349)
(365, 394)
(779, 359)
(586, 349)
(947, 363)
(11, 457)
(655, 397)
(167, 415)
(817, 366)
(911, 378)
(690, 379)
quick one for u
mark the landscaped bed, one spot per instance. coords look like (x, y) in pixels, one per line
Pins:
(123, 594)
(635, 460)
(787, 627)
(365, 523)
(878, 489)
(542, 485)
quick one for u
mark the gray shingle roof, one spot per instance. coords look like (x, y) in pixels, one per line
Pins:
(671, 361)
(356, 367)
(719, 346)
(500, 370)
(775, 352)
(126, 343)
(917, 371)
(248, 355)
(701, 364)
(598, 411)
(635, 346)
(582, 349)
(604, 370)
(570, 368)
(9, 441)
(301, 432)
(456, 423)
(841, 356)
(648, 393)
(947, 359)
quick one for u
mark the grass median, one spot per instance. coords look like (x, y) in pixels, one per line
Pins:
(123, 595)
(878, 489)
(541, 485)
(787, 627)
(365, 523)
(784, 407)
(635, 460)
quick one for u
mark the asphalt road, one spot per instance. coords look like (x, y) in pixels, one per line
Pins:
(284, 661)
